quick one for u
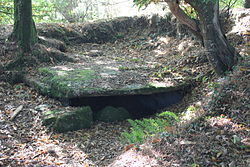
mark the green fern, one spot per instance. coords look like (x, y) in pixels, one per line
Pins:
(148, 127)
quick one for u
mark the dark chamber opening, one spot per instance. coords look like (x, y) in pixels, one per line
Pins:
(138, 105)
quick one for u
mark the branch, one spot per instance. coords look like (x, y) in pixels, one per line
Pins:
(16, 112)
(7, 13)
(181, 15)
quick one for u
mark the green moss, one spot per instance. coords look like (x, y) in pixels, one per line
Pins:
(59, 30)
(135, 60)
(49, 117)
(119, 59)
(123, 68)
(62, 83)
(51, 112)
(119, 36)
(85, 74)
(64, 75)
(45, 71)
(111, 114)
(70, 121)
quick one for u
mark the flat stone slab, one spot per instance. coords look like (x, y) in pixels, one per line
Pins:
(102, 78)
(132, 65)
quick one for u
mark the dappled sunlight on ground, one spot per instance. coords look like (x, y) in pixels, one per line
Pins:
(48, 151)
(133, 158)
(214, 129)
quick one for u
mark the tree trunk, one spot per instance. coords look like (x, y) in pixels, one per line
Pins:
(221, 55)
(24, 27)
(247, 4)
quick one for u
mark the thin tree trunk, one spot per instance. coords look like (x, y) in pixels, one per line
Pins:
(15, 34)
(247, 4)
(24, 27)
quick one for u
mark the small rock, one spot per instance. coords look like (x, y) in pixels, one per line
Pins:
(111, 114)
(232, 164)
(74, 120)
(94, 53)
(42, 107)
(222, 164)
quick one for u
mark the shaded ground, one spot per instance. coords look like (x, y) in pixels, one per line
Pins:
(220, 138)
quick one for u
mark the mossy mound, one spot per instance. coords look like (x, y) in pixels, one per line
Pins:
(111, 114)
(53, 43)
(102, 31)
(69, 121)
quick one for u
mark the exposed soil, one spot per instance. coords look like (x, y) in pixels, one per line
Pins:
(219, 137)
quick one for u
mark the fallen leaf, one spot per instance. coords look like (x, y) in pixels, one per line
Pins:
(155, 141)
(215, 159)
(128, 147)
(4, 157)
(242, 69)
(3, 137)
(58, 162)
(170, 128)
(16, 112)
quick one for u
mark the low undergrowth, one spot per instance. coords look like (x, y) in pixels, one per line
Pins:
(148, 127)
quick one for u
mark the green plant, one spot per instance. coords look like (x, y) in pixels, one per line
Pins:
(227, 4)
(204, 79)
(194, 165)
(119, 36)
(6, 11)
(148, 127)
(213, 85)
(189, 11)
(163, 71)
(123, 68)
(135, 60)
(119, 59)
(170, 116)
(18, 86)
(45, 71)
(191, 108)
(43, 11)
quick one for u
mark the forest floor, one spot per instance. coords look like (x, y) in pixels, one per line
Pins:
(218, 134)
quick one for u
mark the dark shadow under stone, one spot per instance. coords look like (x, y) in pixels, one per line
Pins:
(137, 105)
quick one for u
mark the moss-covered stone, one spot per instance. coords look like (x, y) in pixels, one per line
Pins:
(70, 121)
(111, 114)
(49, 117)
(63, 121)
(63, 83)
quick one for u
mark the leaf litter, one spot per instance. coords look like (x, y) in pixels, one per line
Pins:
(219, 136)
